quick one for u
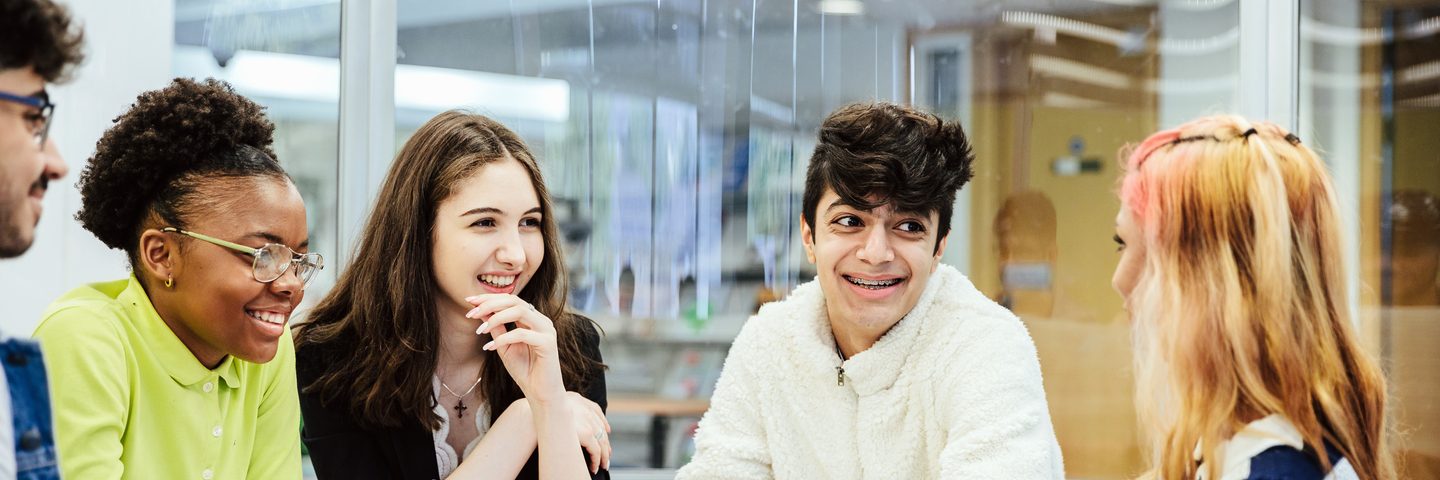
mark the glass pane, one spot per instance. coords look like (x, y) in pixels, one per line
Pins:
(1370, 99)
(284, 55)
(680, 133)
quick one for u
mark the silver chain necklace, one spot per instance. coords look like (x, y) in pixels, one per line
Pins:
(460, 407)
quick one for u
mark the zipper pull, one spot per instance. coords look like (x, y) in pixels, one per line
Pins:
(840, 375)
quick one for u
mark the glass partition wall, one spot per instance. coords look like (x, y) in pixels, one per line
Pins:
(674, 136)
(678, 134)
(284, 55)
(1370, 99)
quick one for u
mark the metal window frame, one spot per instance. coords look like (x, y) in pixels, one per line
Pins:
(1270, 89)
(1270, 61)
(368, 33)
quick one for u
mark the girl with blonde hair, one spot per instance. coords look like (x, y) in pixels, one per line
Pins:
(1247, 364)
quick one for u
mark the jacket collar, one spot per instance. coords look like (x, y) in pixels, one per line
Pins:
(874, 369)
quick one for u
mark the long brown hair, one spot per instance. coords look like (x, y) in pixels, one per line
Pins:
(383, 308)
(1240, 311)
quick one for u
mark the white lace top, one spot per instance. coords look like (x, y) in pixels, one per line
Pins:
(445, 457)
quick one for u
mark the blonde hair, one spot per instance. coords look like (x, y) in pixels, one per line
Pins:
(1240, 309)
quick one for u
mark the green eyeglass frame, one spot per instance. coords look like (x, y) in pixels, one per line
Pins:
(267, 265)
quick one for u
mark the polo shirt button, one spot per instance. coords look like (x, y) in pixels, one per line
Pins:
(208, 387)
(207, 474)
(217, 431)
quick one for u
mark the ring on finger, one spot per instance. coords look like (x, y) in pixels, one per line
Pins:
(599, 436)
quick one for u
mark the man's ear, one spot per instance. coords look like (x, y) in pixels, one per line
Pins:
(807, 238)
(157, 255)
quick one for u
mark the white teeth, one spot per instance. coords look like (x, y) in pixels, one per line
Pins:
(497, 280)
(873, 284)
(267, 317)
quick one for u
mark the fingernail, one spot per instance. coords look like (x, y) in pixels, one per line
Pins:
(489, 345)
(483, 327)
(471, 313)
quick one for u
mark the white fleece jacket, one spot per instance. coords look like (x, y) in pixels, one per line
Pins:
(952, 391)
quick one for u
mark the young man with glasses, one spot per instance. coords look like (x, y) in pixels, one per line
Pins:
(37, 46)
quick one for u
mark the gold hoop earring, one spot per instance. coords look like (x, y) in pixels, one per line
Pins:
(169, 281)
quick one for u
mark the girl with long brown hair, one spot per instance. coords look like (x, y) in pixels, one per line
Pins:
(1247, 364)
(446, 349)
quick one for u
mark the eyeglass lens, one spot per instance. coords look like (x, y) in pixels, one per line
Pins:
(273, 260)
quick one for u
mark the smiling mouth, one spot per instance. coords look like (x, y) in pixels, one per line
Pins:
(873, 284)
(276, 318)
(497, 281)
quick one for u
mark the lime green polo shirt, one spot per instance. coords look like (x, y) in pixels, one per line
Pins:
(131, 402)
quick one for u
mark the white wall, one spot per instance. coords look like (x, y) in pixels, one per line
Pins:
(128, 47)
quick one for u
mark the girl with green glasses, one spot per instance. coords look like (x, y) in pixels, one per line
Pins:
(186, 369)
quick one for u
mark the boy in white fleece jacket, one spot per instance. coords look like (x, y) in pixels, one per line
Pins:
(888, 365)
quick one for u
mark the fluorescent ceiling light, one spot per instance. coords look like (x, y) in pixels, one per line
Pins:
(1428, 101)
(1317, 31)
(1064, 100)
(506, 96)
(1079, 72)
(1191, 5)
(1122, 39)
(842, 7)
(431, 90)
(1420, 73)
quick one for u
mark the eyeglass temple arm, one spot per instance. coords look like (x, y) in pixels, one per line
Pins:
(230, 245)
(30, 101)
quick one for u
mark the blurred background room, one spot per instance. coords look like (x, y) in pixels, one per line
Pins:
(674, 135)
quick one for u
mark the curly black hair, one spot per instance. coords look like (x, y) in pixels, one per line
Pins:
(154, 161)
(872, 154)
(39, 34)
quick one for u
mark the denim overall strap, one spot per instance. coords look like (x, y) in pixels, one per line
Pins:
(35, 457)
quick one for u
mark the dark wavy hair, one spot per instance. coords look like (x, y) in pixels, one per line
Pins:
(382, 309)
(872, 154)
(39, 34)
(151, 167)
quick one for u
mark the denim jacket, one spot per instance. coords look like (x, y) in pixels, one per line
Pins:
(35, 457)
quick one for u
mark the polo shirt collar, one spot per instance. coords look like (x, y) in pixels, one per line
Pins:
(174, 357)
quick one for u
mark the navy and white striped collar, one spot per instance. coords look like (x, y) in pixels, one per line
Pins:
(1256, 438)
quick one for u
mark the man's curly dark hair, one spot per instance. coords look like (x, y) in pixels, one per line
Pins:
(151, 166)
(871, 154)
(39, 34)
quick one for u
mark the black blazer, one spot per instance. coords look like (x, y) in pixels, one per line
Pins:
(341, 449)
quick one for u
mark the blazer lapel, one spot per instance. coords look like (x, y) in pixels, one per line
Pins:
(414, 451)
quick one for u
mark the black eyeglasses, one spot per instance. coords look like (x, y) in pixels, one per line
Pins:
(39, 122)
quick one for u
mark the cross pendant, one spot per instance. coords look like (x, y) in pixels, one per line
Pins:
(460, 408)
